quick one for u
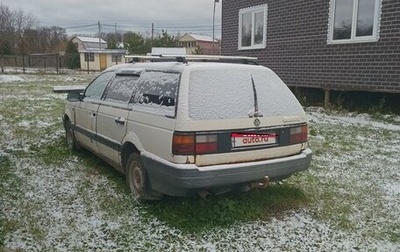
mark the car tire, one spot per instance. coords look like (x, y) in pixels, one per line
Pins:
(70, 136)
(138, 181)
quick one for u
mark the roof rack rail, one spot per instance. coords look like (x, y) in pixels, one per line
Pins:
(187, 58)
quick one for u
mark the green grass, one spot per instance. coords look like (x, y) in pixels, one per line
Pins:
(54, 153)
(191, 214)
(338, 195)
(194, 214)
(9, 189)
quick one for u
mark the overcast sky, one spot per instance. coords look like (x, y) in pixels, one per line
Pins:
(81, 16)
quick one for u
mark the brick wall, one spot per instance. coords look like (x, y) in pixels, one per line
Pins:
(298, 52)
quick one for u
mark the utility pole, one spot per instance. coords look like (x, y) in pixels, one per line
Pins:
(213, 37)
(115, 32)
(116, 45)
(99, 34)
(152, 34)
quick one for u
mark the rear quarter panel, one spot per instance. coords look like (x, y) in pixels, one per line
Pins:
(151, 133)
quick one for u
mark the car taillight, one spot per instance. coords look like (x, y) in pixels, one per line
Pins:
(183, 144)
(206, 144)
(298, 135)
(192, 144)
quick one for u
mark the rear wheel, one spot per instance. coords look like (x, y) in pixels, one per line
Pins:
(70, 136)
(138, 181)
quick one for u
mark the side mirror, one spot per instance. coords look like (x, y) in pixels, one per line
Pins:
(74, 97)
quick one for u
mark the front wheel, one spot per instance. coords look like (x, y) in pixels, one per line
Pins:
(138, 181)
(70, 136)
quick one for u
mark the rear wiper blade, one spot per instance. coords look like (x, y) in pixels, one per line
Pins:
(257, 112)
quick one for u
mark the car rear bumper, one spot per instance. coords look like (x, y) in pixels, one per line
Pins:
(182, 179)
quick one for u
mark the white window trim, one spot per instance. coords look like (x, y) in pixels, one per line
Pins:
(253, 9)
(376, 31)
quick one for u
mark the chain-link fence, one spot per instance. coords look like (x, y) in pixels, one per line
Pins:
(41, 62)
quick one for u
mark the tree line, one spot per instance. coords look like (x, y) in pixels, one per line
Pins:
(20, 35)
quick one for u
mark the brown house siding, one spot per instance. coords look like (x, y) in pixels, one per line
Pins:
(298, 52)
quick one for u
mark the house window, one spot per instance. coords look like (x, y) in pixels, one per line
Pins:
(89, 57)
(253, 27)
(353, 21)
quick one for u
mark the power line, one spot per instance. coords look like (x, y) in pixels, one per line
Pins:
(146, 29)
(80, 26)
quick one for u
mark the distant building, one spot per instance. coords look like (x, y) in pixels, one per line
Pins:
(199, 44)
(88, 43)
(95, 55)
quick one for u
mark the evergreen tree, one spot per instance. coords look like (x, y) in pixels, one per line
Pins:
(198, 50)
(72, 59)
(165, 40)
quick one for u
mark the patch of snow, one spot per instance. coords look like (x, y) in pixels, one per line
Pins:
(24, 124)
(10, 78)
(393, 188)
(349, 119)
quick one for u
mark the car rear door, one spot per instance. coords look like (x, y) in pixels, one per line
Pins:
(112, 116)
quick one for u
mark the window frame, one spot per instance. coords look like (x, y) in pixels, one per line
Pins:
(88, 57)
(253, 10)
(353, 38)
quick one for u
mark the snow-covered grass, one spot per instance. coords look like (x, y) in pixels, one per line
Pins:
(52, 199)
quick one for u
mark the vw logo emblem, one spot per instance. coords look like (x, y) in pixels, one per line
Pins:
(257, 122)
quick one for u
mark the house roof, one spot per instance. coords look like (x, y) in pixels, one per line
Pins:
(107, 51)
(90, 40)
(200, 37)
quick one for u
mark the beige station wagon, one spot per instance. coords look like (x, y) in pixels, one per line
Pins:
(202, 125)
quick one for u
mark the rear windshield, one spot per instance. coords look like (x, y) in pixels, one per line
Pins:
(228, 93)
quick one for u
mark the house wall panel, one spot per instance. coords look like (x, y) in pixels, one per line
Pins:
(298, 52)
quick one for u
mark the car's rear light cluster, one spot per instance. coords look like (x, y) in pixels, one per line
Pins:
(193, 144)
(298, 135)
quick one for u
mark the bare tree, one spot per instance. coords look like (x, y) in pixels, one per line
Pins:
(13, 26)
(57, 36)
(22, 23)
(6, 32)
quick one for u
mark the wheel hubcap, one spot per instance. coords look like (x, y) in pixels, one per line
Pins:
(69, 137)
(137, 179)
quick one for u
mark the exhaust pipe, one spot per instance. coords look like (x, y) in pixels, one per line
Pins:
(260, 184)
(204, 194)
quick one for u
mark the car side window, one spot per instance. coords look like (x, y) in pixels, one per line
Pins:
(122, 88)
(157, 88)
(96, 87)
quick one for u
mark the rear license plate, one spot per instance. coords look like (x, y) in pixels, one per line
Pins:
(251, 139)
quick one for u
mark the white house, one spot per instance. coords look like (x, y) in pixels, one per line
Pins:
(94, 54)
(202, 44)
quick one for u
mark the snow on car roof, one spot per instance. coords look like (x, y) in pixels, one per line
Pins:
(179, 66)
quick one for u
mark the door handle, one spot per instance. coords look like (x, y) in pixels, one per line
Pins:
(120, 120)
